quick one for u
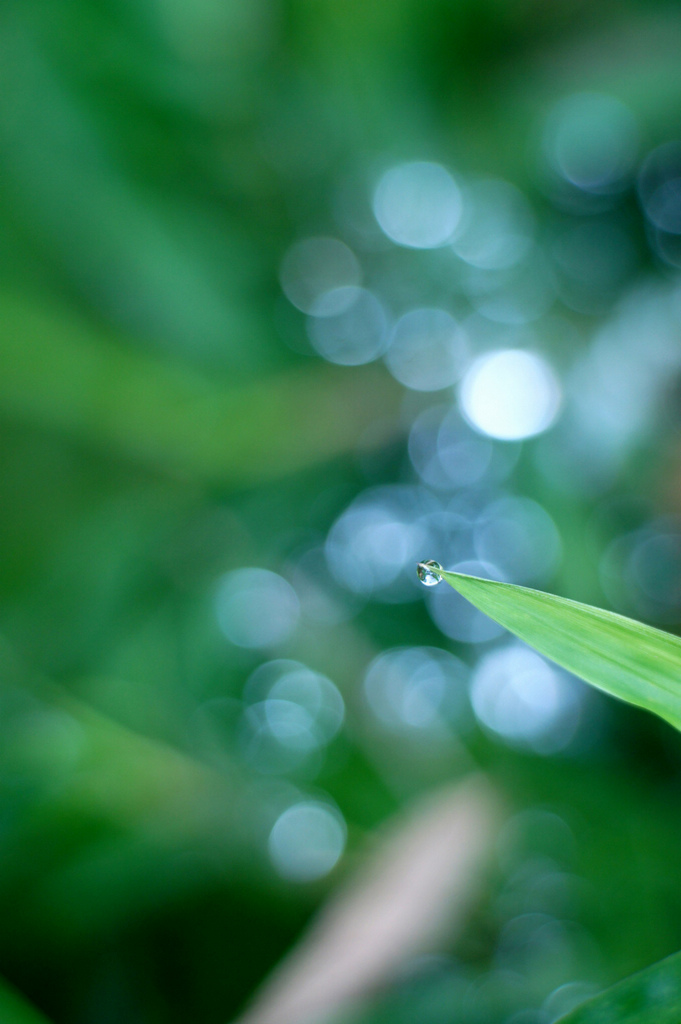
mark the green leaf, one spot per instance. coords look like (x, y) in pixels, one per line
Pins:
(652, 996)
(61, 373)
(14, 1009)
(627, 659)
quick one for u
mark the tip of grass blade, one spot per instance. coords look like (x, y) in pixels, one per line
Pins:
(630, 660)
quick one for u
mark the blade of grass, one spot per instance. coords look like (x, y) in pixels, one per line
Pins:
(59, 372)
(14, 1009)
(652, 996)
(414, 884)
(628, 659)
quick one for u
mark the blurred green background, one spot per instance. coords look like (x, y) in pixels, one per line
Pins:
(293, 295)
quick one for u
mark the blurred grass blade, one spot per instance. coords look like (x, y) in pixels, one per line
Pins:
(652, 996)
(416, 883)
(15, 1010)
(60, 372)
(627, 659)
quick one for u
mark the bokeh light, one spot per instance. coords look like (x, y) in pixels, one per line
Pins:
(519, 536)
(659, 187)
(291, 714)
(373, 546)
(497, 228)
(307, 841)
(318, 274)
(418, 205)
(427, 350)
(510, 394)
(640, 572)
(295, 683)
(256, 608)
(415, 688)
(591, 140)
(524, 699)
(515, 295)
(445, 452)
(353, 329)
(293, 300)
(455, 616)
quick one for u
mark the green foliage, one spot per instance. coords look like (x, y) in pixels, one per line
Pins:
(165, 419)
(62, 373)
(15, 1010)
(627, 659)
(652, 996)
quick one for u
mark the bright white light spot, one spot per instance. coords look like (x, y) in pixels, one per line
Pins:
(307, 841)
(353, 335)
(414, 686)
(256, 608)
(518, 695)
(314, 270)
(418, 205)
(510, 394)
(591, 140)
(427, 350)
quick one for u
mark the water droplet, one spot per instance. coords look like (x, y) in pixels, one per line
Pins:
(429, 572)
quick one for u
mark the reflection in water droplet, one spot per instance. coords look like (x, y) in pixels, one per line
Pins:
(429, 572)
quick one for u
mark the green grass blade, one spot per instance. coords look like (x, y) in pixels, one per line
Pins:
(14, 1009)
(627, 659)
(652, 996)
(59, 372)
